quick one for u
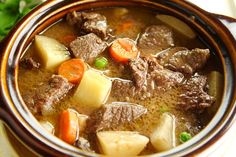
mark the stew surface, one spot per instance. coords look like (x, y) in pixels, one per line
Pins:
(121, 76)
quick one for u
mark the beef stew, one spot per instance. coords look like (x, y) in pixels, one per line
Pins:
(154, 86)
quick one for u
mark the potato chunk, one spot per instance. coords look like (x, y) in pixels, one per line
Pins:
(177, 24)
(82, 122)
(50, 52)
(92, 91)
(121, 143)
(163, 137)
(216, 87)
(48, 126)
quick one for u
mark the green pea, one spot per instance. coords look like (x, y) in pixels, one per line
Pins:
(101, 62)
(184, 137)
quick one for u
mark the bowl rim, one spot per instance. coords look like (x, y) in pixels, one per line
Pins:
(6, 83)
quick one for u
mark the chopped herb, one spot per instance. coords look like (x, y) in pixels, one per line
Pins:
(184, 137)
(101, 63)
(13, 10)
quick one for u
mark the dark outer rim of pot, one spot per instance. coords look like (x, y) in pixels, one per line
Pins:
(224, 17)
(25, 126)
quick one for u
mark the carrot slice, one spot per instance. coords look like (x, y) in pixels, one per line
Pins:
(68, 126)
(72, 70)
(125, 26)
(123, 49)
(68, 39)
(125, 44)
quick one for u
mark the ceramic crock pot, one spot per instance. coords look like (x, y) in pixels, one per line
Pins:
(18, 118)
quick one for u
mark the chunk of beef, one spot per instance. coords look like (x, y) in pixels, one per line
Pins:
(184, 60)
(145, 70)
(154, 78)
(74, 18)
(194, 97)
(29, 63)
(87, 47)
(112, 115)
(164, 78)
(164, 56)
(95, 23)
(48, 94)
(83, 144)
(152, 63)
(121, 86)
(124, 89)
(139, 70)
(89, 23)
(160, 78)
(155, 38)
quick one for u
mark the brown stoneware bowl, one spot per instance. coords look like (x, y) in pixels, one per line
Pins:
(18, 118)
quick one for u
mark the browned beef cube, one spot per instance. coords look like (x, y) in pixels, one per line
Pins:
(152, 63)
(94, 23)
(164, 56)
(89, 23)
(149, 78)
(184, 60)
(29, 63)
(48, 95)
(155, 38)
(160, 77)
(74, 18)
(194, 97)
(122, 88)
(164, 78)
(112, 115)
(87, 47)
(138, 70)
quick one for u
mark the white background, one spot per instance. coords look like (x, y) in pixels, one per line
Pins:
(225, 7)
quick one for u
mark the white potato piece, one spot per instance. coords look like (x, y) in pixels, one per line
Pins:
(121, 143)
(50, 52)
(177, 24)
(47, 126)
(93, 90)
(216, 84)
(119, 12)
(163, 137)
(82, 121)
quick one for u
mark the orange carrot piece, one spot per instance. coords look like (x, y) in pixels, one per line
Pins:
(125, 26)
(68, 126)
(72, 70)
(68, 39)
(123, 49)
(125, 44)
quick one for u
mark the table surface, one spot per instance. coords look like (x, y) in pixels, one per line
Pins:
(225, 149)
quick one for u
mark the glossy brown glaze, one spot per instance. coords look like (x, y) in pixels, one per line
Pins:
(224, 17)
(17, 116)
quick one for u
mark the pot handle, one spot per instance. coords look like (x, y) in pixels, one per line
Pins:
(229, 22)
